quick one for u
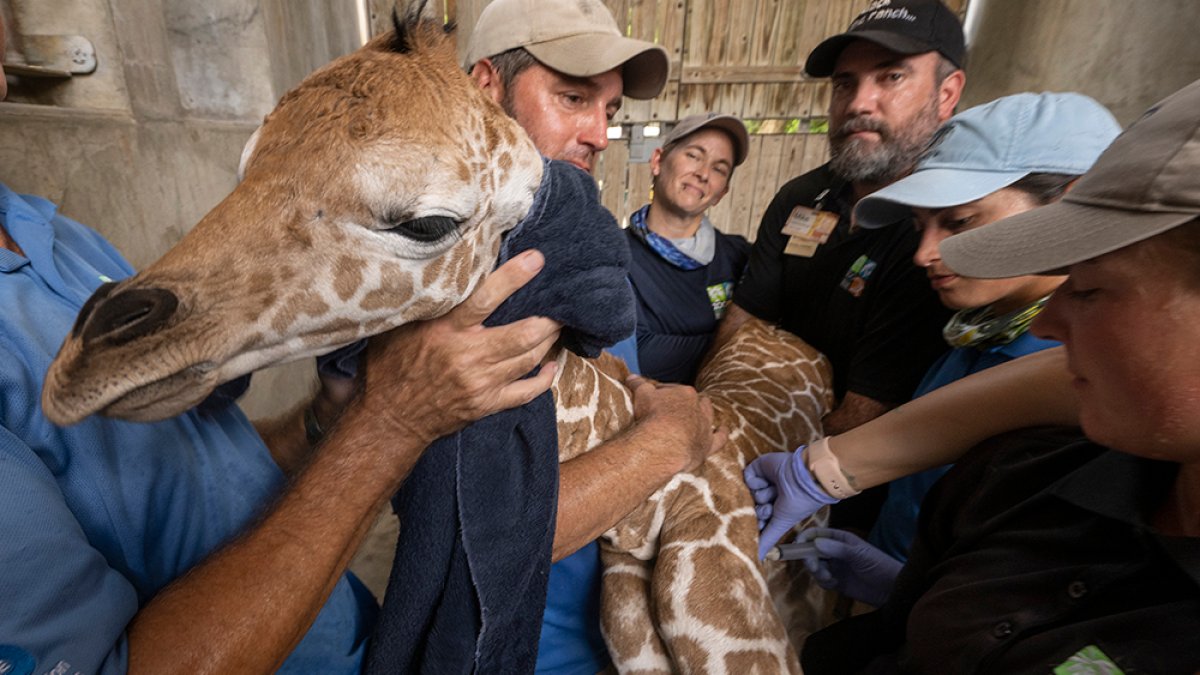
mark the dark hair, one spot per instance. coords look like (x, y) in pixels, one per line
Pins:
(1045, 188)
(945, 68)
(1185, 239)
(509, 64)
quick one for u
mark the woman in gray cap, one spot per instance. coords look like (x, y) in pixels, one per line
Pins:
(683, 269)
(1042, 552)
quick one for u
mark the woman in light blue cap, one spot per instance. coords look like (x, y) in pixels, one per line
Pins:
(990, 162)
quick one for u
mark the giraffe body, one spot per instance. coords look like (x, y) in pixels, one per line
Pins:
(374, 195)
(683, 588)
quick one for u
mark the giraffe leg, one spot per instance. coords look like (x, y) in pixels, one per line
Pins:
(711, 602)
(625, 612)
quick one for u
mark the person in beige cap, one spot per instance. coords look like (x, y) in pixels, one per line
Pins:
(560, 68)
(1045, 550)
(683, 269)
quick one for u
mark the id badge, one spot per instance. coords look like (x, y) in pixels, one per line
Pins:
(807, 229)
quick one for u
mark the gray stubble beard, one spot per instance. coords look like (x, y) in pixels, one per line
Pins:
(892, 158)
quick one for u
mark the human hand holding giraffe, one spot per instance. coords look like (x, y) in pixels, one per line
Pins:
(684, 414)
(453, 369)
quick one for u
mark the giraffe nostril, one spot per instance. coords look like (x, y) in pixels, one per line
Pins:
(128, 315)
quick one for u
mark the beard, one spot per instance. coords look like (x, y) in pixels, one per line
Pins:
(893, 156)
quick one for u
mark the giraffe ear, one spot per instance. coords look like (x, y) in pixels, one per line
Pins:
(408, 14)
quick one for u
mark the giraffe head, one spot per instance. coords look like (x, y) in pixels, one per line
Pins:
(375, 194)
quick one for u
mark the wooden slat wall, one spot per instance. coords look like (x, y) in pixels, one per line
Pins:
(744, 57)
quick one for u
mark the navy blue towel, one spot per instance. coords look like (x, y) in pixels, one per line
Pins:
(468, 586)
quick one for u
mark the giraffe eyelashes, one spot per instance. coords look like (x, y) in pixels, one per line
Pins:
(425, 230)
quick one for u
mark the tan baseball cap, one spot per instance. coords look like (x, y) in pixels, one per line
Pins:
(574, 37)
(1145, 183)
(727, 123)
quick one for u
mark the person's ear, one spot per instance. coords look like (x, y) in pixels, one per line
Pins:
(487, 78)
(724, 192)
(949, 91)
(655, 161)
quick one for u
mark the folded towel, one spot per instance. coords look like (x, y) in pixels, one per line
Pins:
(468, 587)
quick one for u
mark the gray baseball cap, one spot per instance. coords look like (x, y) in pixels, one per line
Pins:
(1145, 183)
(727, 123)
(574, 37)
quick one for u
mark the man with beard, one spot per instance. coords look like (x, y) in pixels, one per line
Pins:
(853, 293)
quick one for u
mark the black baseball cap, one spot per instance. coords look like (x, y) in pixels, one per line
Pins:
(903, 26)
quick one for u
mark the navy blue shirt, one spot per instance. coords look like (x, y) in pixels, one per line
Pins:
(678, 310)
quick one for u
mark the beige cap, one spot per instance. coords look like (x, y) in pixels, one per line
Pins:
(574, 37)
(1145, 183)
(727, 123)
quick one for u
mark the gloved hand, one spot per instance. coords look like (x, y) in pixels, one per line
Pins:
(785, 493)
(850, 565)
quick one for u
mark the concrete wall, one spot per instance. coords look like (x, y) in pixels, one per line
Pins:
(147, 144)
(1127, 55)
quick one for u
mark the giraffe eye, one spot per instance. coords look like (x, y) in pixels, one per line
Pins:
(425, 230)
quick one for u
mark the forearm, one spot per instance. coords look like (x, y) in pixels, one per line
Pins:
(940, 426)
(600, 487)
(285, 437)
(248, 606)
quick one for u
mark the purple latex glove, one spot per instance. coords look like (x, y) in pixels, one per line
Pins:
(785, 493)
(850, 565)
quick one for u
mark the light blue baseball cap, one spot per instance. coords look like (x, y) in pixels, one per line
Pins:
(992, 146)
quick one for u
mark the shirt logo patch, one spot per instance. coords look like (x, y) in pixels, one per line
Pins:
(720, 295)
(855, 281)
(15, 661)
(1088, 661)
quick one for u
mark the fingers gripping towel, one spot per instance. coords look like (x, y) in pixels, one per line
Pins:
(468, 586)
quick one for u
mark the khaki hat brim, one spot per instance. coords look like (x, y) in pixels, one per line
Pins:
(1051, 238)
(645, 65)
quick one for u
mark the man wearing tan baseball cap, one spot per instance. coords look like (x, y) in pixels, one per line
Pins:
(560, 68)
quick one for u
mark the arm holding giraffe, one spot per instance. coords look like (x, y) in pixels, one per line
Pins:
(248, 605)
(673, 432)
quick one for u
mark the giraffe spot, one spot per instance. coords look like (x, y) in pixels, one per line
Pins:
(308, 303)
(347, 276)
(690, 655)
(427, 308)
(432, 269)
(464, 172)
(750, 662)
(394, 291)
(505, 161)
(729, 596)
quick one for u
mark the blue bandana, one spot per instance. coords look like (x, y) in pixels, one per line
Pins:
(659, 244)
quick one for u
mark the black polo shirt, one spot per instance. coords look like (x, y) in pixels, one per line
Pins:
(1033, 550)
(860, 300)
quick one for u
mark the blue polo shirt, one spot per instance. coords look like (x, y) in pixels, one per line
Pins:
(897, 523)
(97, 518)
